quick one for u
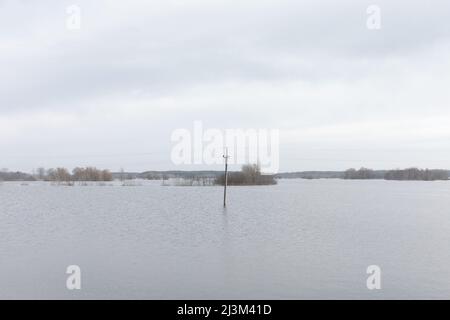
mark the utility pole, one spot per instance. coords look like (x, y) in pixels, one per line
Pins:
(226, 178)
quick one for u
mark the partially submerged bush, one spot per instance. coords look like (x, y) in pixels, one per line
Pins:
(249, 175)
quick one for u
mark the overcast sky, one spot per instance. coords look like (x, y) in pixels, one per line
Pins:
(112, 93)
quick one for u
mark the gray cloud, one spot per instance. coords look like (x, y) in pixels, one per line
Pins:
(138, 70)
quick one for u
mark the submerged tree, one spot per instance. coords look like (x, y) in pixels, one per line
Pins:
(59, 175)
(91, 174)
(250, 174)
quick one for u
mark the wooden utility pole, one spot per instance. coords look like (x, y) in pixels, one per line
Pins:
(226, 178)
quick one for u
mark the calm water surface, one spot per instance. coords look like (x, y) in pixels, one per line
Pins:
(300, 239)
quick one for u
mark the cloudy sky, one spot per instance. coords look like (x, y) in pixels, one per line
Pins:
(111, 93)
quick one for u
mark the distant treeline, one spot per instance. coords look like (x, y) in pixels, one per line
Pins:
(250, 174)
(59, 175)
(417, 174)
(165, 175)
(5, 175)
(362, 173)
(398, 174)
(310, 175)
(174, 174)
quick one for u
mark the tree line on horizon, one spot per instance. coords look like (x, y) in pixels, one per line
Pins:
(249, 175)
(409, 174)
(59, 175)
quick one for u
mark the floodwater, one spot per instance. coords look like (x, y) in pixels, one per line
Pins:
(300, 239)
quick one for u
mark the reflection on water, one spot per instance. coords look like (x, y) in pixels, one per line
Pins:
(299, 239)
